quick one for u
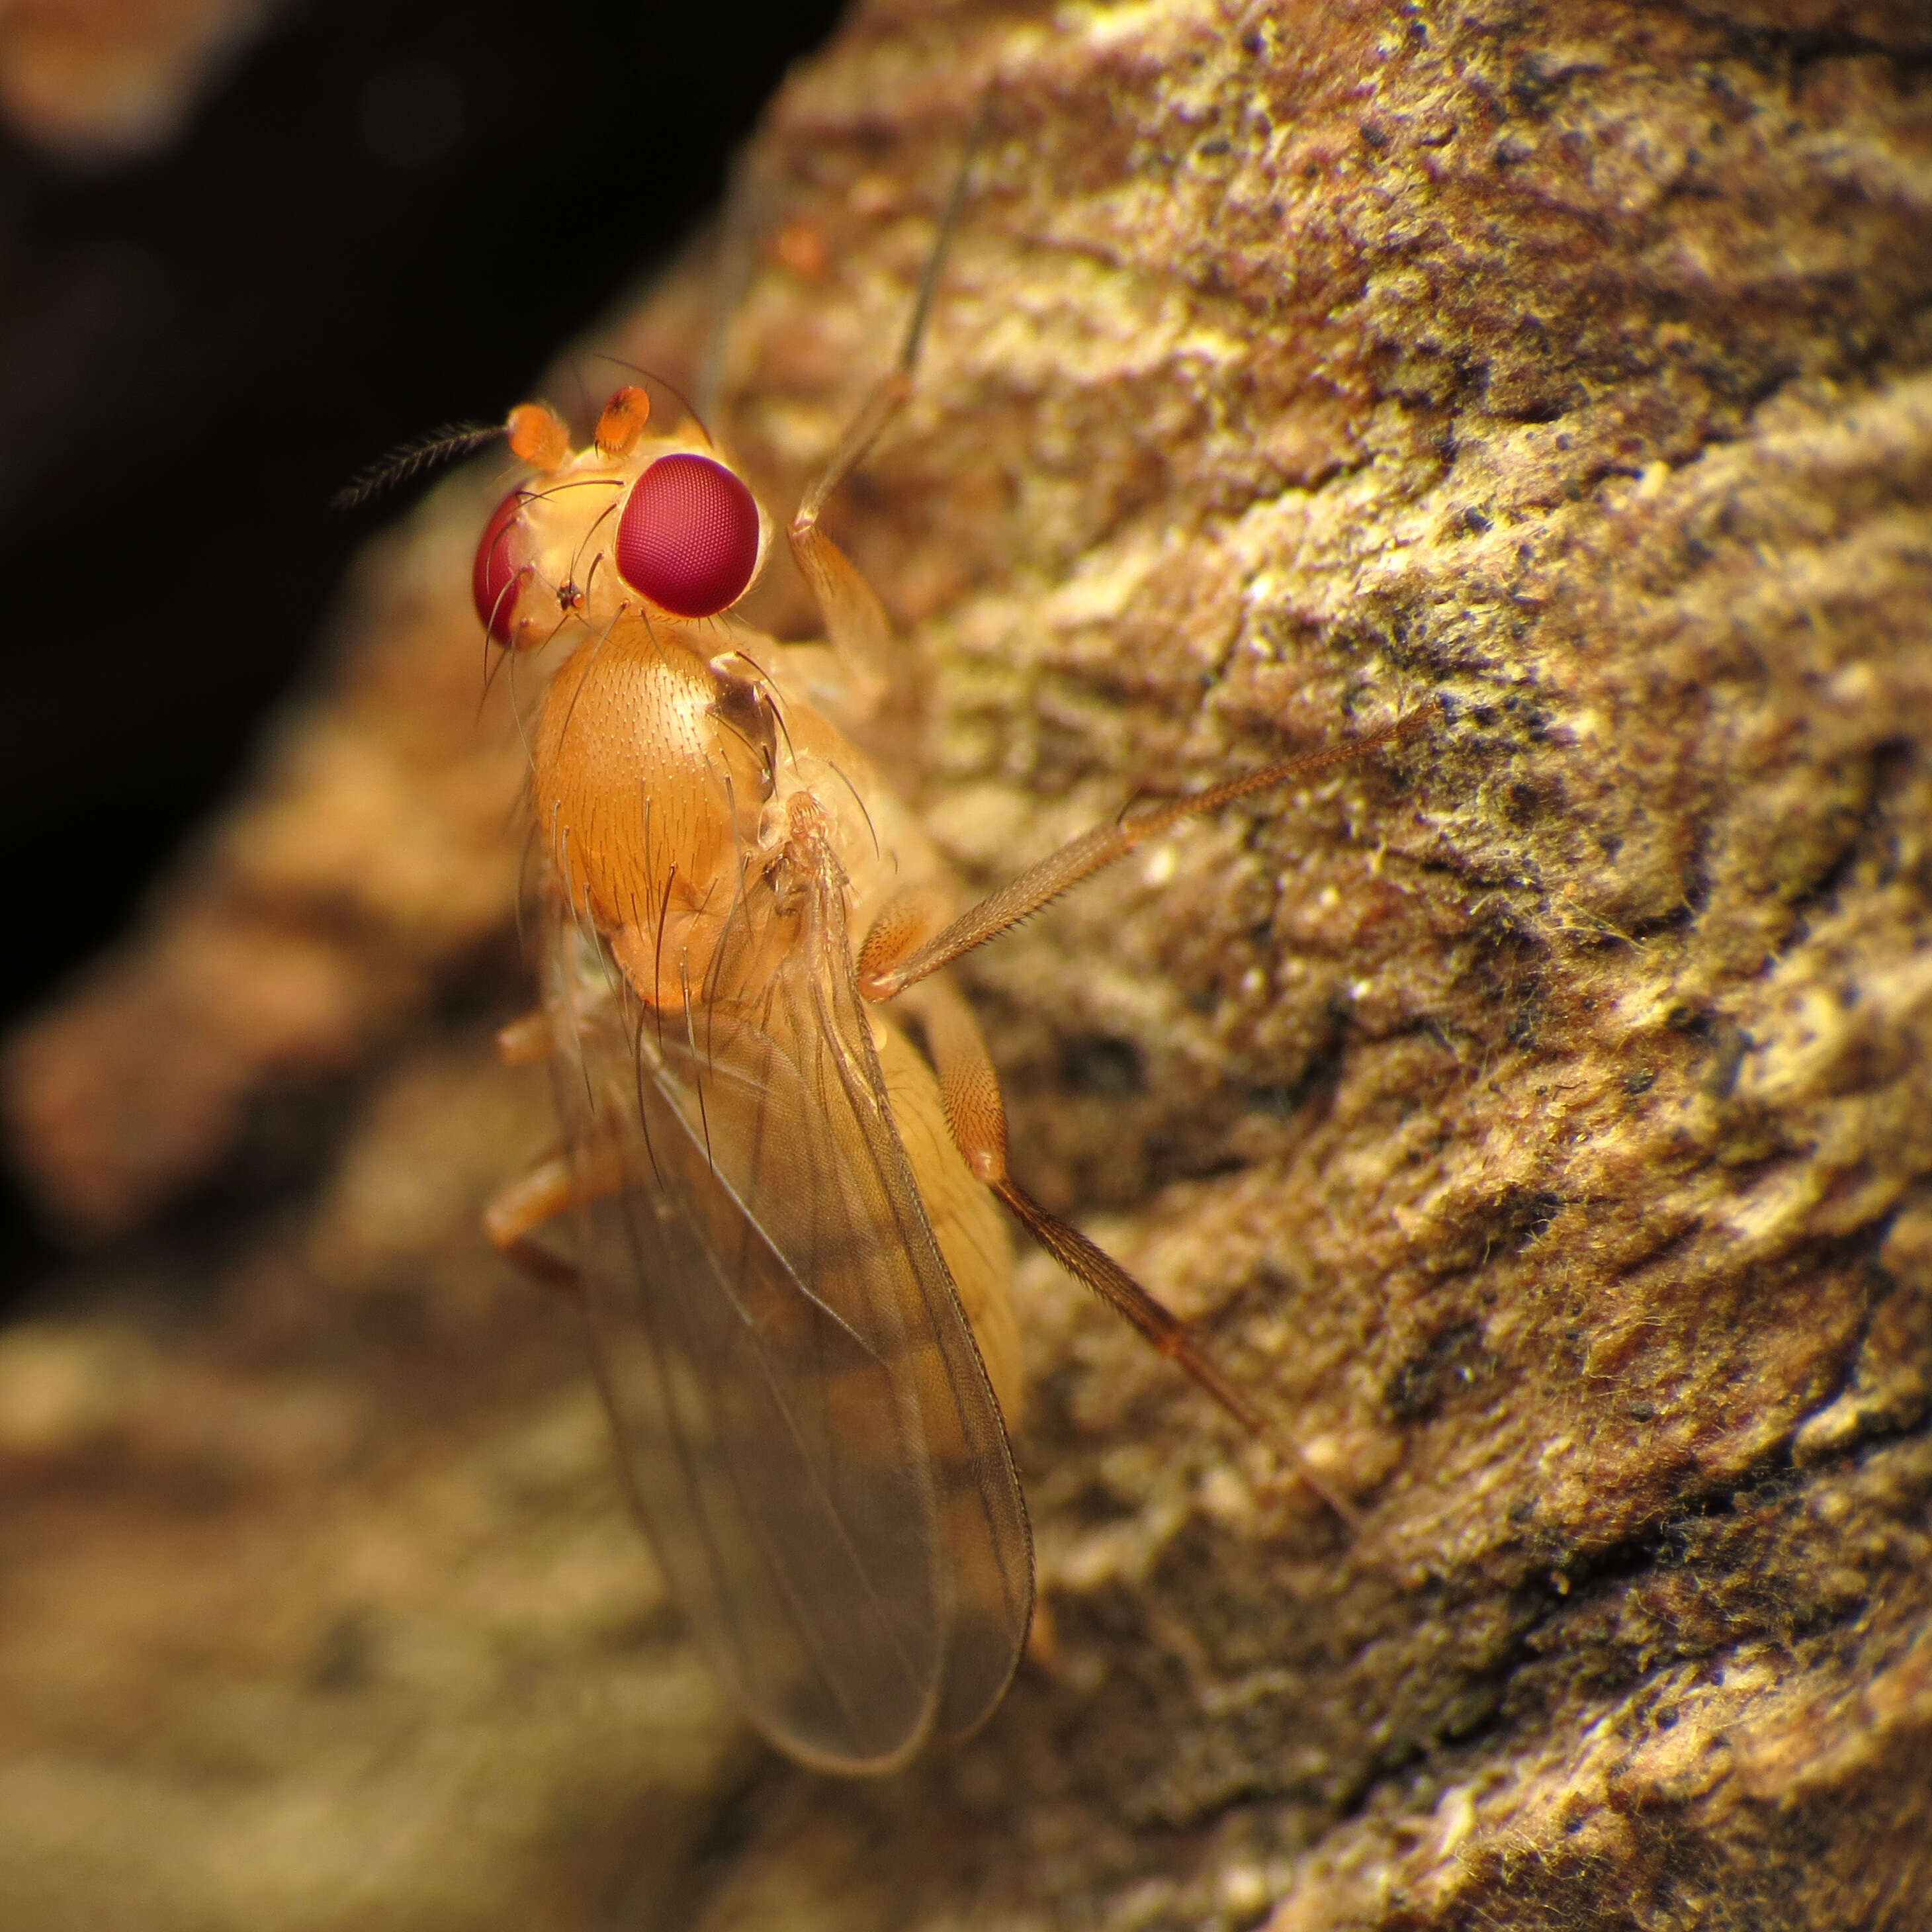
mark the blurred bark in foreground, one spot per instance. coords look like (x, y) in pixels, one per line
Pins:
(1542, 1119)
(91, 79)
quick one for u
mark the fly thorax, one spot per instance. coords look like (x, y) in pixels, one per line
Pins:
(638, 788)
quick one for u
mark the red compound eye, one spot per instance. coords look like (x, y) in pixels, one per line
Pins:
(494, 580)
(688, 537)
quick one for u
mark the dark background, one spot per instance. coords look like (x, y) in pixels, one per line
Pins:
(197, 346)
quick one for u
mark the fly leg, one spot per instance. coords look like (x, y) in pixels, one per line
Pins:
(536, 1196)
(976, 1116)
(526, 1039)
(550, 1185)
(886, 968)
(855, 621)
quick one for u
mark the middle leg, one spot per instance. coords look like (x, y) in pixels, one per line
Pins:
(887, 967)
(547, 1189)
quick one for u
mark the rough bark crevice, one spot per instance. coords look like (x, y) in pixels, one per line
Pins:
(1539, 1116)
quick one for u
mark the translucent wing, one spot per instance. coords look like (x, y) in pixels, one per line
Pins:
(803, 1417)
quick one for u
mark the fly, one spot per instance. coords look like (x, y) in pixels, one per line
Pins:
(795, 1278)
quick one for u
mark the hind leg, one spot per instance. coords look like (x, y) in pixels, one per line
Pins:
(977, 1118)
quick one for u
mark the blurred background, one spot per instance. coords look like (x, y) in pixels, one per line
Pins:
(246, 246)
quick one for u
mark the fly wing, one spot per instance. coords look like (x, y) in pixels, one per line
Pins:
(803, 1417)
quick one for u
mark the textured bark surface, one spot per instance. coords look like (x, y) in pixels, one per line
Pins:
(1541, 1119)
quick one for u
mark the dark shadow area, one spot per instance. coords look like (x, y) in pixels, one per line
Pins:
(387, 217)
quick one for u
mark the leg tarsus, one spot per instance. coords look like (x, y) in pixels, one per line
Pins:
(538, 1195)
(1161, 1326)
(855, 621)
(1039, 885)
(545, 1269)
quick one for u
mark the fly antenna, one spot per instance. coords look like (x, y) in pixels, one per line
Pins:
(671, 388)
(412, 458)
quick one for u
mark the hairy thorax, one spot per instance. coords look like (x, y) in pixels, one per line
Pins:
(688, 806)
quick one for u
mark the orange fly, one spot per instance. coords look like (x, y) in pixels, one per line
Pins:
(795, 1278)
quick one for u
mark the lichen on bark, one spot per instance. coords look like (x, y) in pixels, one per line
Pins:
(1539, 1120)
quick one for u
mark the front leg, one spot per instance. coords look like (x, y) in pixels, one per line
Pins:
(855, 621)
(550, 1185)
(535, 1198)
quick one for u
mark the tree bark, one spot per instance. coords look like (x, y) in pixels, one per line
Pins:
(1538, 1119)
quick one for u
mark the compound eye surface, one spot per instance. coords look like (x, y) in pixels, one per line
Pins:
(495, 578)
(688, 538)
